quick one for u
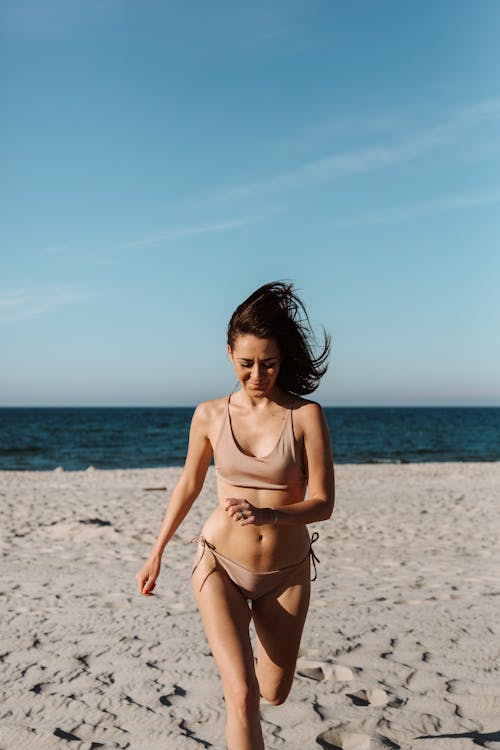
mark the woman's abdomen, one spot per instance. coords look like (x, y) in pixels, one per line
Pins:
(259, 548)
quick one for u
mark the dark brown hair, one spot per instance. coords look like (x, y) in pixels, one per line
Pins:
(274, 311)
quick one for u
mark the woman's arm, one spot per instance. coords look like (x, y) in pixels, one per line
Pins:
(183, 496)
(321, 481)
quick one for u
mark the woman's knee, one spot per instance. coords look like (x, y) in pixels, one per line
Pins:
(276, 694)
(242, 697)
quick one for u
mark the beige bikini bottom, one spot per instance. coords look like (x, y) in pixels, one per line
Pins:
(251, 583)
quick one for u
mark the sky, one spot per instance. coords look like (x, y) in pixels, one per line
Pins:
(161, 160)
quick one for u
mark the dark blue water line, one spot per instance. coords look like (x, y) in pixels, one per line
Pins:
(42, 438)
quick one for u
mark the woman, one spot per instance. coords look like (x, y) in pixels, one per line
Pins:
(253, 557)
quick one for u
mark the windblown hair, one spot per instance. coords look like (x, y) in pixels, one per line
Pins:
(274, 311)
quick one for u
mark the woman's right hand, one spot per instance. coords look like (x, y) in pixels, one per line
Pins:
(146, 577)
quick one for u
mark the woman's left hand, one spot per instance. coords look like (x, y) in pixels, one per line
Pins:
(244, 513)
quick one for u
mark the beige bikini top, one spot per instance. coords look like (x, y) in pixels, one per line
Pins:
(280, 469)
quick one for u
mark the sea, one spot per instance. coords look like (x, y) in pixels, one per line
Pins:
(41, 439)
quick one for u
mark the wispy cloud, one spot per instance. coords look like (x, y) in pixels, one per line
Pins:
(327, 130)
(436, 206)
(407, 148)
(225, 225)
(19, 304)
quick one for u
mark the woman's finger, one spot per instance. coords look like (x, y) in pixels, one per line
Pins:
(234, 507)
(146, 579)
(248, 520)
(148, 587)
(240, 510)
(230, 502)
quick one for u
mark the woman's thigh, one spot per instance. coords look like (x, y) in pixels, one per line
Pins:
(226, 617)
(279, 621)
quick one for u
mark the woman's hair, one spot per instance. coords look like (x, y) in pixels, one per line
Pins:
(274, 311)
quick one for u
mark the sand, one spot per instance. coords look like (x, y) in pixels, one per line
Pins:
(401, 647)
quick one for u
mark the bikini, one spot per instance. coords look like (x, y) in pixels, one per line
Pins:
(278, 470)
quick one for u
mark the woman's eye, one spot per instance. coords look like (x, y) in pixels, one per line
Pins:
(266, 365)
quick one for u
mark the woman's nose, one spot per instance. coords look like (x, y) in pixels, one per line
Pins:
(256, 370)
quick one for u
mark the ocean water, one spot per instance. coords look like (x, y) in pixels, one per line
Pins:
(123, 438)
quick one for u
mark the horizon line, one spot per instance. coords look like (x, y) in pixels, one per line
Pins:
(193, 406)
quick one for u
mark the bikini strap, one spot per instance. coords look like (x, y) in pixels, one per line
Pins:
(225, 418)
(312, 553)
(291, 432)
(205, 543)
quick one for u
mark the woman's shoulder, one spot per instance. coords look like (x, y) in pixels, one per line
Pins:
(301, 405)
(306, 413)
(207, 411)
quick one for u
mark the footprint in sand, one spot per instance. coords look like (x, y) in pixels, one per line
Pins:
(175, 697)
(319, 670)
(373, 697)
(341, 739)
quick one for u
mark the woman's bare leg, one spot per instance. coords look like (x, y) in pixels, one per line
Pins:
(226, 617)
(279, 622)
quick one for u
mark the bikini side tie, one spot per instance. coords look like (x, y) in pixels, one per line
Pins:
(205, 543)
(314, 558)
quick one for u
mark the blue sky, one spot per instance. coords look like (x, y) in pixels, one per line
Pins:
(163, 159)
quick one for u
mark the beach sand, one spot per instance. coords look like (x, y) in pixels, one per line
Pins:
(401, 646)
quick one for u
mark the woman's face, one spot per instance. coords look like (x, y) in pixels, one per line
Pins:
(256, 363)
